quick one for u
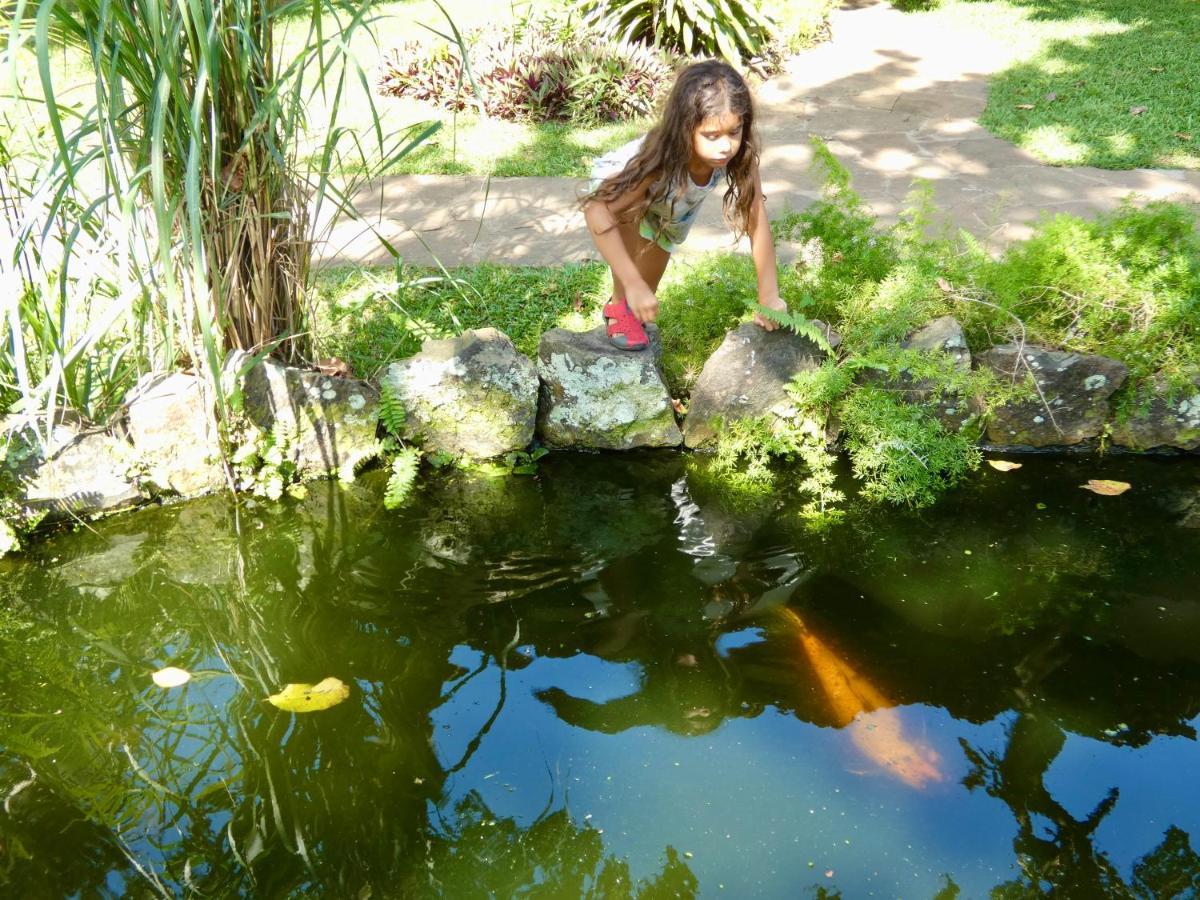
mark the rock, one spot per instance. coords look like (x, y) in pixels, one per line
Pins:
(334, 420)
(171, 425)
(473, 395)
(1162, 418)
(944, 335)
(747, 378)
(1076, 389)
(79, 472)
(596, 396)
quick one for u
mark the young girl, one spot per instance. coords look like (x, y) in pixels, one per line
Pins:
(646, 194)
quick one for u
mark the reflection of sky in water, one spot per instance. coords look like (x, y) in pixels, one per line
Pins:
(1155, 782)
(754, 801)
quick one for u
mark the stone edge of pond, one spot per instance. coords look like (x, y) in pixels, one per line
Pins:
(475, 395)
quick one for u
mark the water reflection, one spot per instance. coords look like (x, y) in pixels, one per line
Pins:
(605, 680)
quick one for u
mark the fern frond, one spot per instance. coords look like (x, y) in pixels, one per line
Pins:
(391, 411)
(404, 473)
(799, 323)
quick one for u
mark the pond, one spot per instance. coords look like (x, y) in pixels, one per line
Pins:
(612, 679)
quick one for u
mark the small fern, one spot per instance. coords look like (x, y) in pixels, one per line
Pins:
(391, 411)
(799, 323)
(404, 473)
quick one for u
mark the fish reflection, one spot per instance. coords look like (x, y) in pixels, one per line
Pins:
(874, 725)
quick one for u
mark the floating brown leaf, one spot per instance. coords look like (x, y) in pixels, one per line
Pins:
(1024, 106)
(1003, 465)
(1137, 110)
(1106, 488)
(310, 697)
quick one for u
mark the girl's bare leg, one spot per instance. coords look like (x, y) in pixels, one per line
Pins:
(649, 258)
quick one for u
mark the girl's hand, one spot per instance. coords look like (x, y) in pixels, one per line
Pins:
(773, 302)
(642, 303)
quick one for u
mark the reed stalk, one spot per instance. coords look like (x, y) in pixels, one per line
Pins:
(182, 193)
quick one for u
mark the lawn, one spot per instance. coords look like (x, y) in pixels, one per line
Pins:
(1107, 83)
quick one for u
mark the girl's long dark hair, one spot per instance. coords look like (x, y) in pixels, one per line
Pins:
(702, 90)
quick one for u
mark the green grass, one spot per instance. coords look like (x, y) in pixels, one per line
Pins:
(1083, 66)
(372, 316)
(471, 146)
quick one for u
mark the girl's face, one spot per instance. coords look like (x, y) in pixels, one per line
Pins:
(716, 140)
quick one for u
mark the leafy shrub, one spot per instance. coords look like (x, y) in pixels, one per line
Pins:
(916, 5)
(798, 24)
(532, 71)
(733, 29)
(1126, 285)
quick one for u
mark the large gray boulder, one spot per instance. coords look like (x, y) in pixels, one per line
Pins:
(1074, 404)
(596, 396)
(78, 472)
(333, 420)
(474, 395)
(747, 378)
(171, 425)
(1162, 417)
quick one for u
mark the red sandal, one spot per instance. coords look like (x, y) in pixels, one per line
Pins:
(624, 330)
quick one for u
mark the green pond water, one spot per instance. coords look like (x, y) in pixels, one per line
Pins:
(611, 680)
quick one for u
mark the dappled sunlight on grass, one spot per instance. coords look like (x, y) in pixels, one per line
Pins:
(503, 149)
(1110, 83)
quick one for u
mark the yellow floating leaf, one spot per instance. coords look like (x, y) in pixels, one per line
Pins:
(1106, 488)
(1024, 106)
(310, 697)
(171, 677)
(1003, 465)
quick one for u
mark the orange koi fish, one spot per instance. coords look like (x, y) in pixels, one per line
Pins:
(874, 724)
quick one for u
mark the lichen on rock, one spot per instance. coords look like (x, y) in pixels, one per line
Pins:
(1072, 402)
(474, 395)
(1162, 416)
(597, 396)
(333, 420)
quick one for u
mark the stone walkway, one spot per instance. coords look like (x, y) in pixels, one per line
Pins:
(894, 99)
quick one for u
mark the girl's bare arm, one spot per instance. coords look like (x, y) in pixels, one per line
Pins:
(762, 249)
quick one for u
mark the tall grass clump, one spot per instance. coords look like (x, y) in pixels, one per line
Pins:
(176, 210)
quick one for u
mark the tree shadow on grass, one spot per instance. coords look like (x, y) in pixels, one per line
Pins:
(1118, 100)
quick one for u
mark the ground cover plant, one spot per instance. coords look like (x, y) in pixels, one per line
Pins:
(542, 70)
(1108, 83)
(1126, 285)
